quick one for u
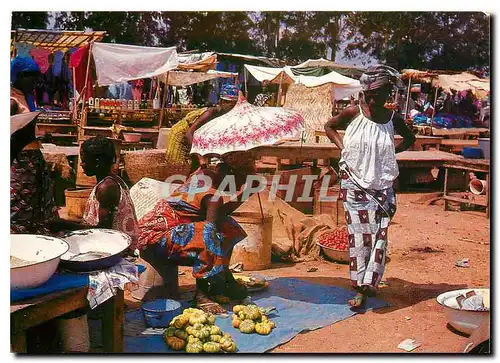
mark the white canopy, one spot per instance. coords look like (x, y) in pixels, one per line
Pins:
(120, 62)
(342, 86)
(182, 79)
(271, 75)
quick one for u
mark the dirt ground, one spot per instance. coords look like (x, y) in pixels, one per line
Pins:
(424, 244)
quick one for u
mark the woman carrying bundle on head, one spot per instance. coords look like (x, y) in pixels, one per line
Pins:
(368, 169)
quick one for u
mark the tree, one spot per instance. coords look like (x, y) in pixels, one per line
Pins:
(29, 20)
(437, 40)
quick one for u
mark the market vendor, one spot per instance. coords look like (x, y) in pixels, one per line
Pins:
(109, 204)
(181, 134)
(32, 203)
(368, 169)
(193, 228)
(265, 98)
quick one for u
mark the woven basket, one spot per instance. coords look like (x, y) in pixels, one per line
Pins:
(151, 164)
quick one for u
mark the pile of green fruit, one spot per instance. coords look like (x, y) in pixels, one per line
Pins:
(251, 318)
(194, 331)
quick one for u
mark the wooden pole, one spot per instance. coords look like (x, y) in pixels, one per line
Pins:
(434, 108)
(84, 90)
(246, 89)
(407, 99)
(74, 97)
(164, 100)
(261, 210)
(279, 90)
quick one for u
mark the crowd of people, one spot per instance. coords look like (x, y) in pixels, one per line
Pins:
(194, 225)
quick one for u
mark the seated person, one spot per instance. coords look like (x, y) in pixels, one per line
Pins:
(193, 228)
(109, 204)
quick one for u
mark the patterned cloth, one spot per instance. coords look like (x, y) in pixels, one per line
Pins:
(263, 99)
(103, 284)
(41, 57)
(229, 92)
(23, 49)
(188, 236)
(245, 127)
(378, 76)
(31, 193)
(178, 150)
(124, 218)
(368, 213)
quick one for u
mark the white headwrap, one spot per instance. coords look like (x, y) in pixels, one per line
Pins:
(378, 76)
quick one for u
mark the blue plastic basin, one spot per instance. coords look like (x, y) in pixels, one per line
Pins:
(159, 313)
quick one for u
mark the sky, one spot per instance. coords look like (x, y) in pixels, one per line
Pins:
(339, 56)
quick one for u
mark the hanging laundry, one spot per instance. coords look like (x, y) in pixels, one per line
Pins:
(57, 63)
(137, 87)
(122, 90)
(79, 60)
(23, 49)
(41, 57)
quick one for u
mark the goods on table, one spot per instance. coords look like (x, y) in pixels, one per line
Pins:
(250, 318)
(194, 331)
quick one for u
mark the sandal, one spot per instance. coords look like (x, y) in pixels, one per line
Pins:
(357, 301)
(207, 305)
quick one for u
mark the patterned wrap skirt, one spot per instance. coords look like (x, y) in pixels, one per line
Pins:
(368, 213)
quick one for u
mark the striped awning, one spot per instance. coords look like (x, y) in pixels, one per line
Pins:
(54, 39)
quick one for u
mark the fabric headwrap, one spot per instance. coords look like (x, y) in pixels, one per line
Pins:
(379, 76)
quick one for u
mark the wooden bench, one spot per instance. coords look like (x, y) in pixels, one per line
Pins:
(29, 313)
(469, 165)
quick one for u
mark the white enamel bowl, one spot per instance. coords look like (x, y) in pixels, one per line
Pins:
(465, 321)
(44, 252)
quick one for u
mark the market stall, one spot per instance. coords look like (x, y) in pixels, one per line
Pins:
(454, 100)
(55, 91)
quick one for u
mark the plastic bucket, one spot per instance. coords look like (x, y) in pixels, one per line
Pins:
(254, 251)
(159, 313)
(478, 186)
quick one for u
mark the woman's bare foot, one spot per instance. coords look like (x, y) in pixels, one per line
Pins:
(206, 304)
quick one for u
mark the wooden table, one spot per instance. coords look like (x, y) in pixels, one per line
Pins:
(456, 145)
(421, 143)
(313, 151)
(28, 313)
(469, 165)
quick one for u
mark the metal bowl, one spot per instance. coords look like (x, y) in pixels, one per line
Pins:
(94, 249)
(41, 254)
(465, 321)
(159, 313)
(334, 254)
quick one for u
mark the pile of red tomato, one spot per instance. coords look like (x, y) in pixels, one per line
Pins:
(336, 239)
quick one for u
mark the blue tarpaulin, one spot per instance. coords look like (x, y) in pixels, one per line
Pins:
(300, 306)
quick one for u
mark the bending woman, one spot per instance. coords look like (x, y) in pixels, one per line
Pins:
(193, 227)
(368, 169)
